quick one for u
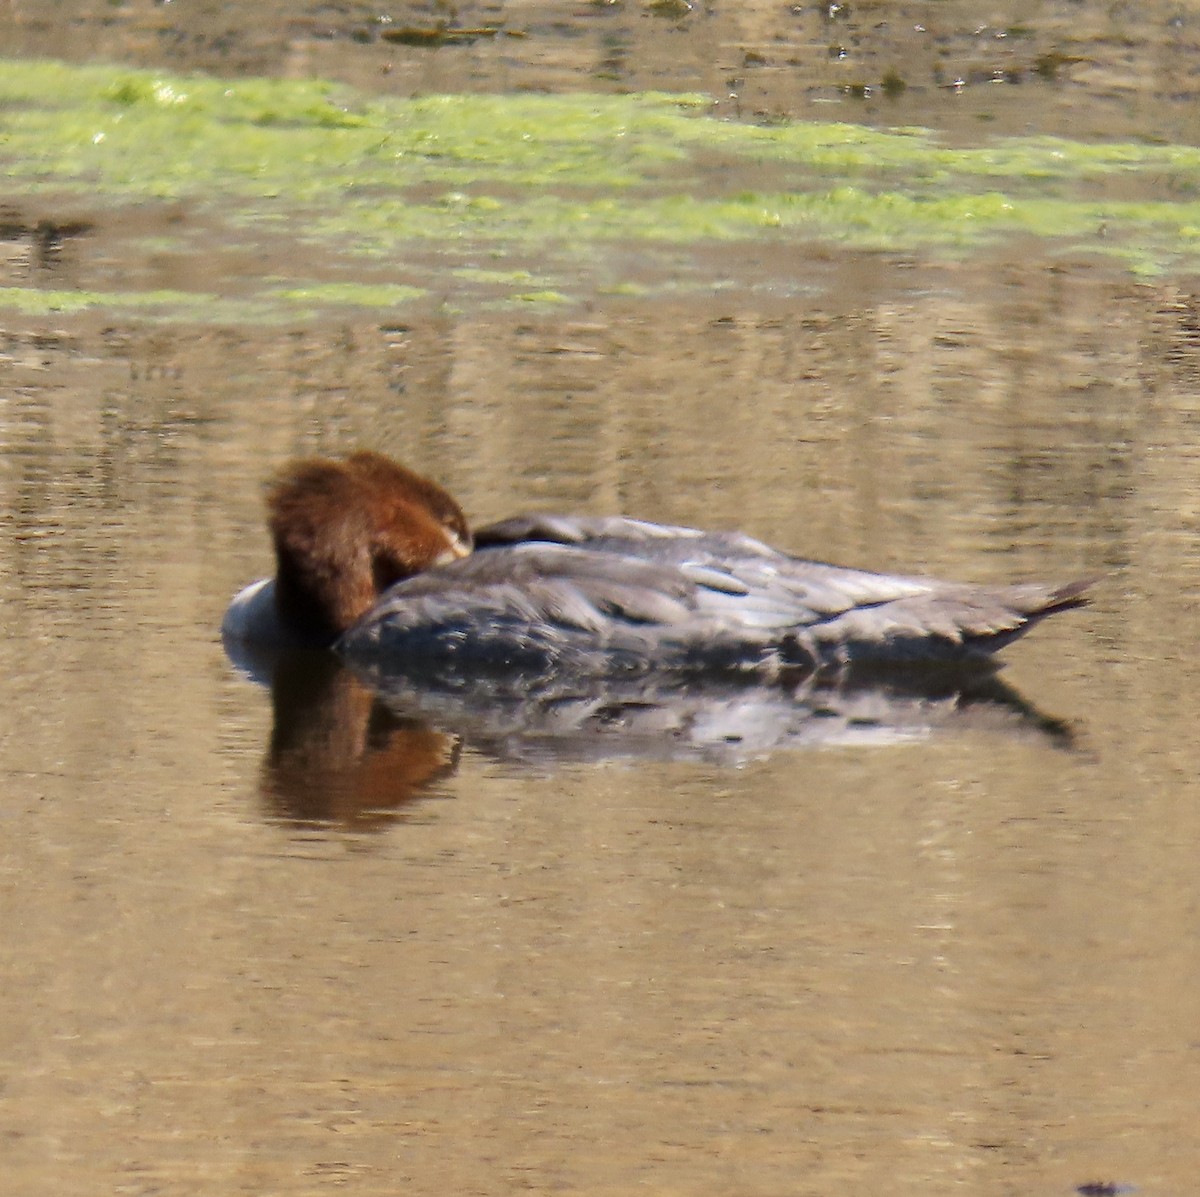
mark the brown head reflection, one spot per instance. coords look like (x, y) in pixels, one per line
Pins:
(339, 756)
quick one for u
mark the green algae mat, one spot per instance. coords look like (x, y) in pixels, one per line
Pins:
(466, 200)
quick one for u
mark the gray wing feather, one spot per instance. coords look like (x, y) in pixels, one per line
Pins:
(626, 586)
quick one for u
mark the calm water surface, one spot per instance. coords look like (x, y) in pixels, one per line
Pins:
(256, 946)
(966, 957)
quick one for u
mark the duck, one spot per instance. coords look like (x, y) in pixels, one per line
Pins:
(379, 564)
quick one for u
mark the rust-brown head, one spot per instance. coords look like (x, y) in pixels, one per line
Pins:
(345, 530)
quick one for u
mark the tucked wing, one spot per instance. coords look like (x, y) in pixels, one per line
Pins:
(543, 605)
(800, 592)
(612, 595)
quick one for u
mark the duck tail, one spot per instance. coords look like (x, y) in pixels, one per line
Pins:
(1072, 594)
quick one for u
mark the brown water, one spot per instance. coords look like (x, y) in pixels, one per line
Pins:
(964, 962)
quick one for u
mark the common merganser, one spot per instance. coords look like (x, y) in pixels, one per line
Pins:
(379, 564)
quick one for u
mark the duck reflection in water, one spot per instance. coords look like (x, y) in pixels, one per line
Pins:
(339, 755)
(355, 750)
(552, 637)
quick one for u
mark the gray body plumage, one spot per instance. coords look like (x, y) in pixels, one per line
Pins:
(613, 596)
